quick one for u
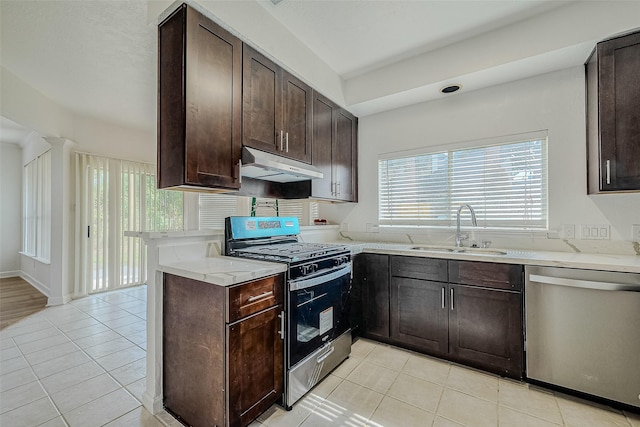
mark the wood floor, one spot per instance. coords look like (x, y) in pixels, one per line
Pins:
(18, 299)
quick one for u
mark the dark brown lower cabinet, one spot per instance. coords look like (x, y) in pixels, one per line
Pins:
(485, 328)
(255, 366)
(371, 293)
(220, 369)
(419, 317)
(476, 321)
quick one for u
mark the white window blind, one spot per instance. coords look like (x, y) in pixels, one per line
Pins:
(214, 208)
(505, 183)
(37, 207)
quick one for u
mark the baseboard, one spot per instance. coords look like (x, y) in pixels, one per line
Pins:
(44, 290)
(153, 404)
(58, 300)
(11, 273)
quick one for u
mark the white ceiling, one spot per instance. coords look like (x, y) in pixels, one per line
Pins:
(98, 58)
(356, 36)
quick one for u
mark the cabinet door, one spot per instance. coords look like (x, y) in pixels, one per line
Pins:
(619, 103)
(323, 134)
(256, 364)
(419, 314)
(345, 156)
(262, 110)
(199, 103)
(296, 121)
(485, 328)
(372, 272)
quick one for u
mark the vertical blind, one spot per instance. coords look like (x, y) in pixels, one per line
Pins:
(115, 196)
(506, 184)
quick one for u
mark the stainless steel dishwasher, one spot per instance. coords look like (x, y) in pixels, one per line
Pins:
(583, 331)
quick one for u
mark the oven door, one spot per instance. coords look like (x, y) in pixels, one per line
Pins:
(318, 311)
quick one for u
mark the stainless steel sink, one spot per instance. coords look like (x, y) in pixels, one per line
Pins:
(433, 249)
(452, 249)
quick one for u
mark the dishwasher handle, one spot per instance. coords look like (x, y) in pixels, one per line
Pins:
(585, 284)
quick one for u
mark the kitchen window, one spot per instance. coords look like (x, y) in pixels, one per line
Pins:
(214, 208)
(503, 179)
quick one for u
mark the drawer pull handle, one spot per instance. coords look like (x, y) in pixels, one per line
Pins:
(451, 298)
(259, 297)
(325, 355)
(443, 298)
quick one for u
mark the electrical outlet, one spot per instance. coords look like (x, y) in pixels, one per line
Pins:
(595, 232)
(635, 232)
(569, 231)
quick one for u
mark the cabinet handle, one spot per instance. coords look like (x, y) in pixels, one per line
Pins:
(608, 171)
(281, 331)
(240, 170)
(338, 188)
(286, 139)
(259, 297)
(442, 297)
(451, 298)
(333, 186)
(281, 139)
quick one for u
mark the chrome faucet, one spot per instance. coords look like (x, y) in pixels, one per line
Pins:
(464, 236)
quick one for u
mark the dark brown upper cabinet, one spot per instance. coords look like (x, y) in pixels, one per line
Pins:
(199, 103)
(276, 108)
(335, 144)
(613, 115)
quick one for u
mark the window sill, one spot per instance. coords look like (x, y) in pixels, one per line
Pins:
(35, 258)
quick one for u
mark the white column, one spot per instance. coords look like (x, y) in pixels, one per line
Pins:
(62, 230)
(163, 248)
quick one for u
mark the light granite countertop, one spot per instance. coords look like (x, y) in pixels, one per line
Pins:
(222, 270)
(606, 262)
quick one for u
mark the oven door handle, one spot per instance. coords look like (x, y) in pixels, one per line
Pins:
(296, 285)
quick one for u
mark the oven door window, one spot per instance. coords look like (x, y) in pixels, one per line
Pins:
(317, 314)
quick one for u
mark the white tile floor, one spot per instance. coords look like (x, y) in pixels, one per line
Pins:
(80, 364)
(83, 364)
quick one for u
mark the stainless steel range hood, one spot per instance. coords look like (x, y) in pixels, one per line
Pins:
(269, 167)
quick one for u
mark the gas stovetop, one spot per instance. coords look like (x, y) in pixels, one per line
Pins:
(291, 252)
(274, 239)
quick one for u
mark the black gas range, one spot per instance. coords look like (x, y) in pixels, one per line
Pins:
(317, 337)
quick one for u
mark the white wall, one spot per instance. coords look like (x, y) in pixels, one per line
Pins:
(109, 140)
(10, 209)
(553, 101)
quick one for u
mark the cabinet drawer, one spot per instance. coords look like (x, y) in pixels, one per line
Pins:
(419, 268)
(487, 274)
(252, 297)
